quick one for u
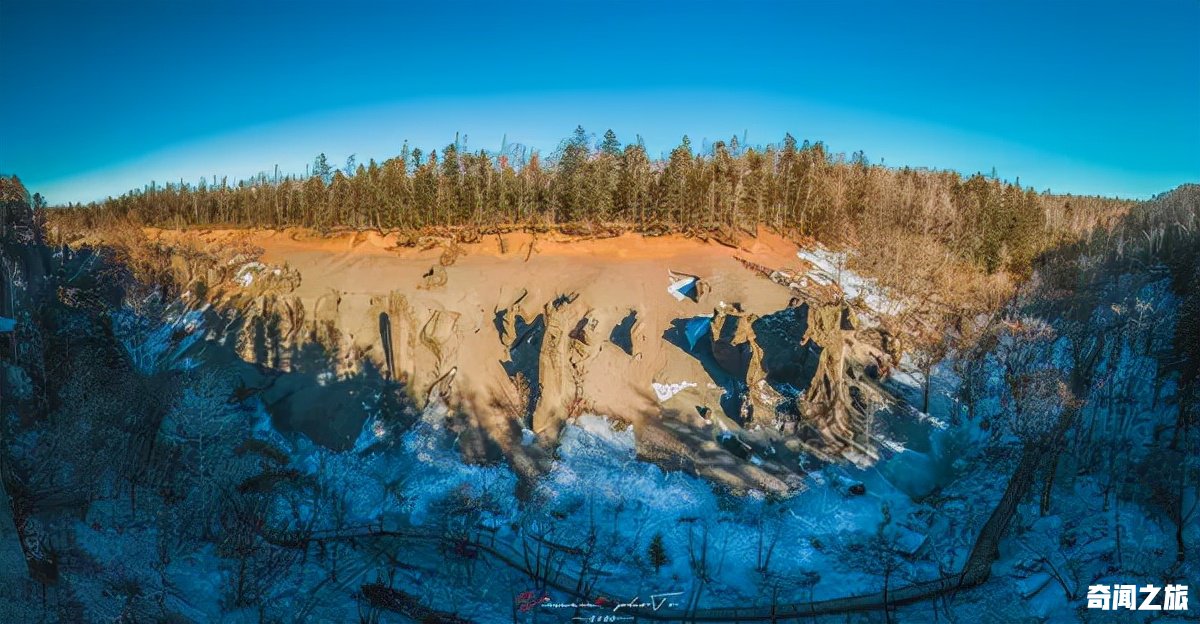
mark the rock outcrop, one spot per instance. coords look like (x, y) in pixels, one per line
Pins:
(733, 344)
(736, 348)
(829, 404)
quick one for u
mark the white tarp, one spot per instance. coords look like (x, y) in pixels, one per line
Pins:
(681, 287)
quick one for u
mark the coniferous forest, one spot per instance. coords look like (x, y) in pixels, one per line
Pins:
(593, 186)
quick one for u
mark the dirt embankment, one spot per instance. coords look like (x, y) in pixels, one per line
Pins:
(521, 332)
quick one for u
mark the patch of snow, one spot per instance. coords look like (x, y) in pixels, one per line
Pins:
(245, 274)
(666, 391)
(829, 267)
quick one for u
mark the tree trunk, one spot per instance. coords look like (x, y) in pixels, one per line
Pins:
(979, 563)
(925, 391)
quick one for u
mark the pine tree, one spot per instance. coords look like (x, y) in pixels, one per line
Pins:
(322, 169)
(610, 145)
(673, 185)
(572, 178)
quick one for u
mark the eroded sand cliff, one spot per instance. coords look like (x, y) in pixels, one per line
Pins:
(730, 377)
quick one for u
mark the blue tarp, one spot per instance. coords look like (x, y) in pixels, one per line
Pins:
(7, 324)
(695, 330)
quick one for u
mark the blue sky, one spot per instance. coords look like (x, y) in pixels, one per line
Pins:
(1086, 97)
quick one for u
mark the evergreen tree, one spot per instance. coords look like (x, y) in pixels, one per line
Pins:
(572, 180)
(573, 152)
(322, 169)
(633, 185)
(673, 185)
(610, 145)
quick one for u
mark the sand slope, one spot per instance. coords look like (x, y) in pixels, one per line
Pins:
(448, 313)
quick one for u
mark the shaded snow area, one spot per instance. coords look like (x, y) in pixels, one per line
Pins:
(151, 346)
(829, 267)
(598, 497)
(721, 549)
(403, 508)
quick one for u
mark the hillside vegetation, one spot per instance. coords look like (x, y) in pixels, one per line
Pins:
(597, 187)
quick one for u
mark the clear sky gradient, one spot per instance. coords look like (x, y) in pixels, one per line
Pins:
(1085, 97)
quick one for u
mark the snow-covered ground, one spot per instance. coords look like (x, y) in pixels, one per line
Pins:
(830, 267)
(598, 492)
(405, 495)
